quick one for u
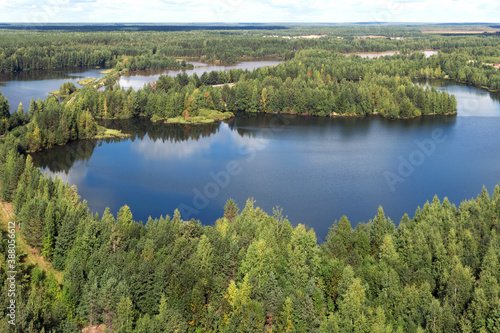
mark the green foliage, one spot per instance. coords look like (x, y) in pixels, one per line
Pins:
(4, 113)
(12, 168)
(254, 272)
(313, 83)
(250, 272)
(231, 210)
(67, 89)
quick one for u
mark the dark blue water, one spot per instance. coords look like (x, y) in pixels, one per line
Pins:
(23, 86)
(316, 169)
(138, 79)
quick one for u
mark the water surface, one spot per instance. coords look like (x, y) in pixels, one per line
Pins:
(316, 169)
(22, 86)
(138, 79)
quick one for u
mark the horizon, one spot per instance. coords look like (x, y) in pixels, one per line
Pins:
(257, 11)
(249, 23)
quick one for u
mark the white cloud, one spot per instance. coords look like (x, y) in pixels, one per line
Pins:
(164, 11)
(165, 151)
(160, 150)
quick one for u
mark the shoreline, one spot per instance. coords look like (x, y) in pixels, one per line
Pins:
(355, 115)
(118, 134)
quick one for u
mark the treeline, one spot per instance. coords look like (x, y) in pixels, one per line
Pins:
(23, 51)
(457, 66)
(313, 83)
(155, 61)
(47, 123)
(137, 27)
(8, 120)
(29, 50)
(250, 272)
(62, 158)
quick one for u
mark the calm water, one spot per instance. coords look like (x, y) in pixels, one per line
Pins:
(316, 169)
(21, 87)
(138, 79)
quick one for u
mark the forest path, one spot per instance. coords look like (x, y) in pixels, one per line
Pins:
(32, 254)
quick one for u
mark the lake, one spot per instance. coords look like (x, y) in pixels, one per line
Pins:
(372, 55)
(316, 169)
(22, 86)
(138, 79)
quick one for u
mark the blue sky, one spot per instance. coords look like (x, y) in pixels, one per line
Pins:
(163, 11)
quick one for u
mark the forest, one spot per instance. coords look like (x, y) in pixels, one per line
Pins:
(313, 83)
(250, 272)
(28, 49)
(435, 270)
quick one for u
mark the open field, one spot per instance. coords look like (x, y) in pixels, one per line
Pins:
(460, 29)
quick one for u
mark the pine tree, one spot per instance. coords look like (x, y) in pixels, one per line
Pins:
(124, 319)
(12, 170)
(231, 210)
(339, 242)
(285, 317)
(49, 231)
(65, 238)
(4, 112)
(353, 312)
(168, 319)
(459, 287)
(31, 217)
(124, 220)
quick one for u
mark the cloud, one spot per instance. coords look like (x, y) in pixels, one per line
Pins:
(165, 151)
(170, 151)
(165, 11)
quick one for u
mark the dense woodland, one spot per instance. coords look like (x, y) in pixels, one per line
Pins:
(250, 272)
(438, 271)
(47, 123)
(40, 49)
(313, 83)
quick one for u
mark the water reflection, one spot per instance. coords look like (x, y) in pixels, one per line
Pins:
(22, 86)
(140, 128)
(470, 101)
(138, 79)
(316, 169)
(63, 158)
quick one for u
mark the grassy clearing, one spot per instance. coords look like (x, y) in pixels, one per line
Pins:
(57, 93)
(459, 29)
(86, 81)
(107, 71)
(203, 116)
(230, 85)
(108, 133)
(32, 255)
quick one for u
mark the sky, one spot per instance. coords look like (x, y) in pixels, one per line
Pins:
(173, 11)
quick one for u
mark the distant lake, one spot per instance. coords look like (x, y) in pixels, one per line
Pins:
(138, 79)
(22, 86)
(371, 55)
(316, 169)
